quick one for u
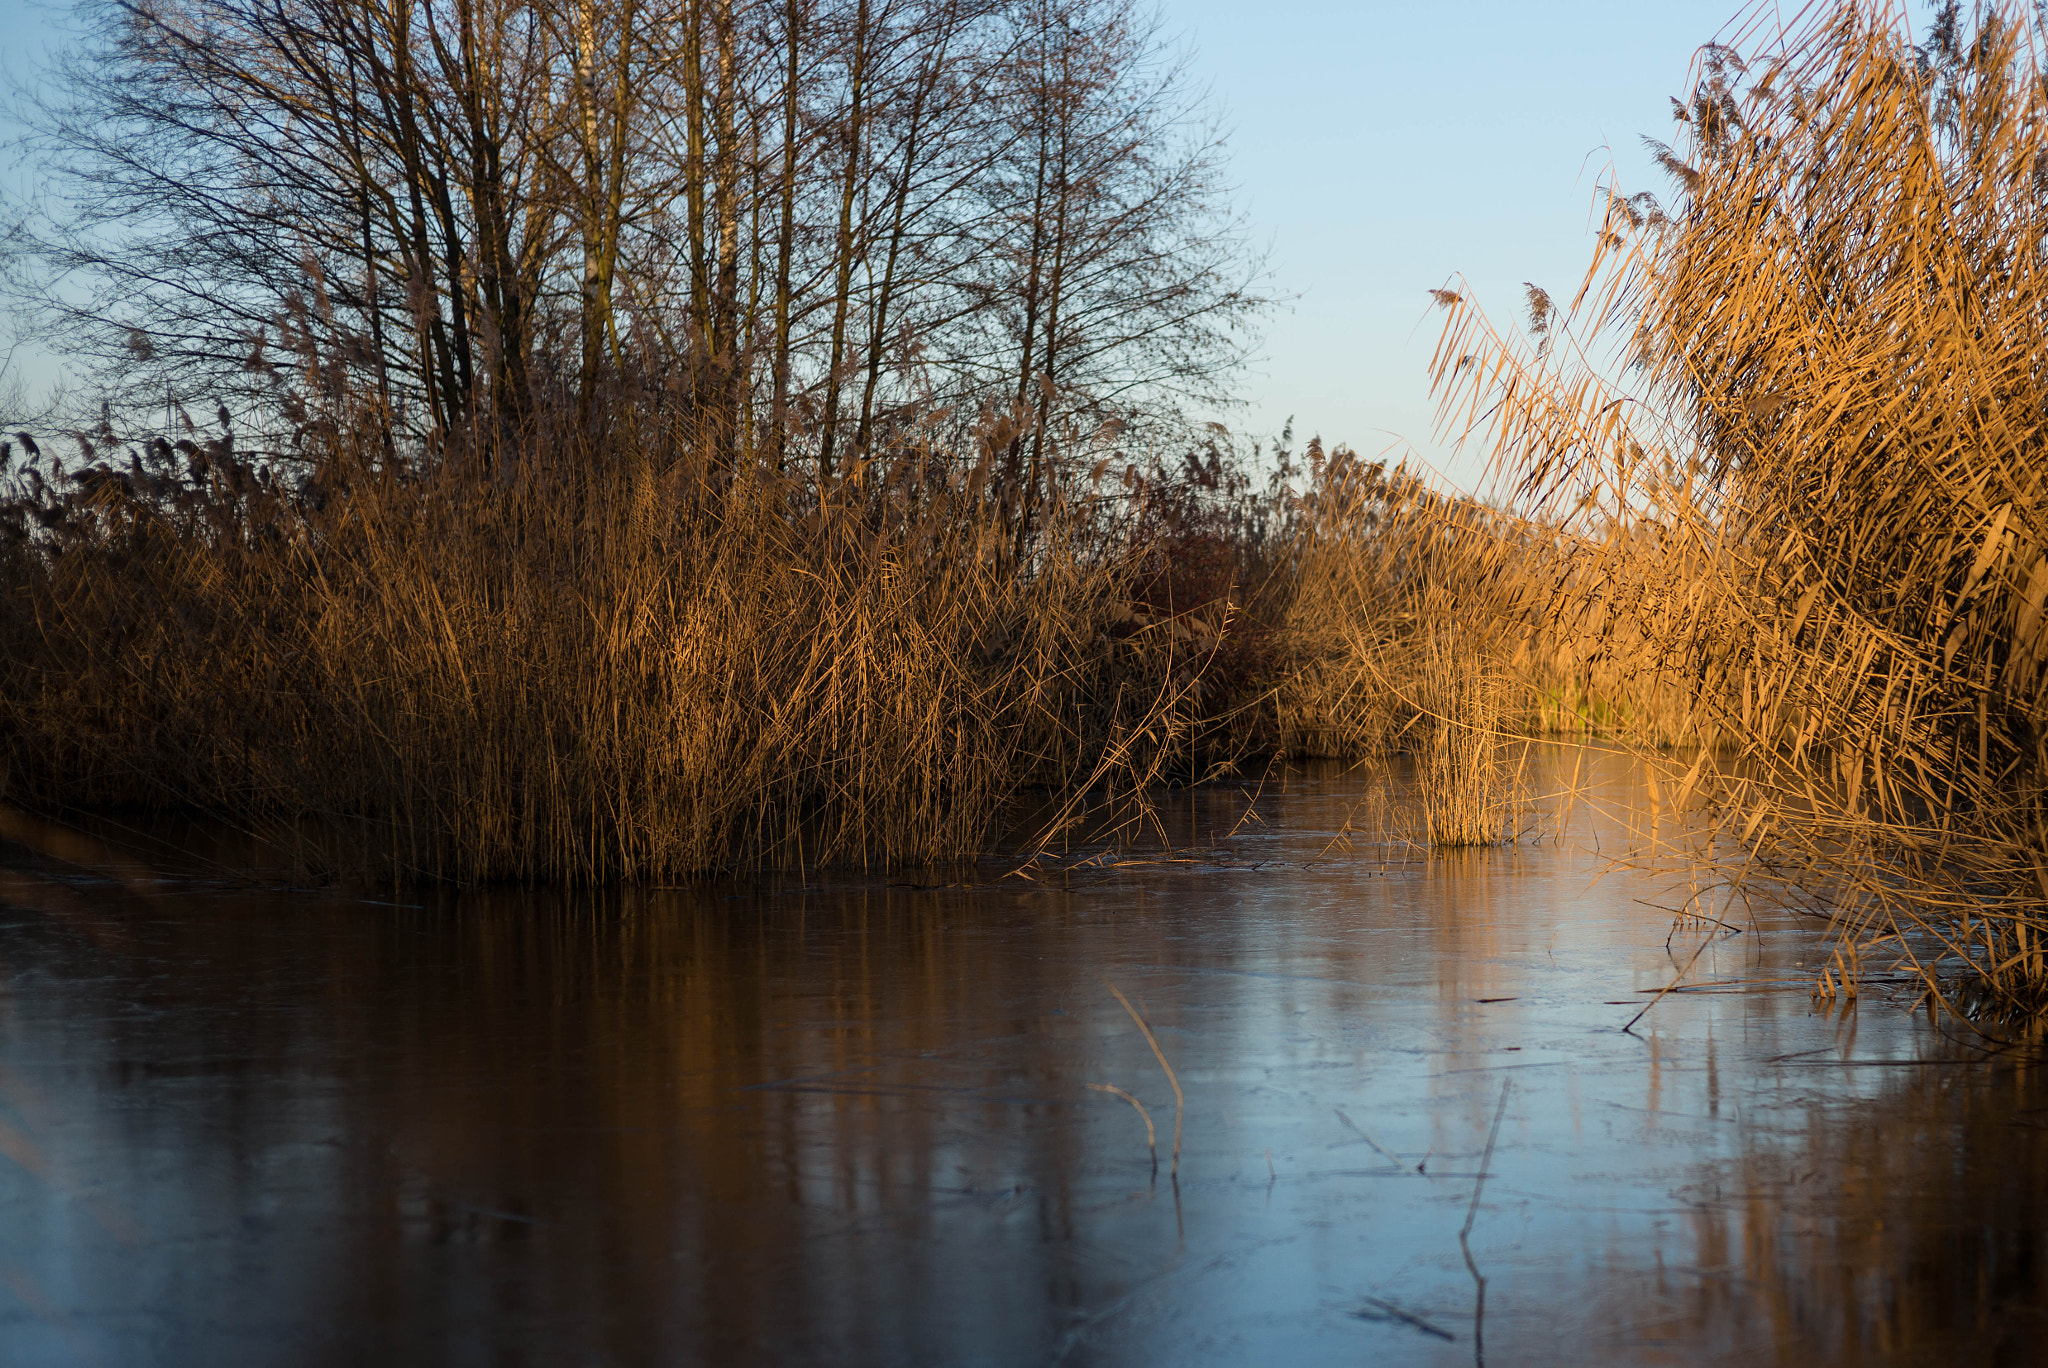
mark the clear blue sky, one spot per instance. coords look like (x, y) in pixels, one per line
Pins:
(1380, 149)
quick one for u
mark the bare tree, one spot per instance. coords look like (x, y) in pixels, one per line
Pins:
(802, 226)
(1115, 287)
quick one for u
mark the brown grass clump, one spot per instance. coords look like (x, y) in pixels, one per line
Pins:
(1404, 636)
(1803, 488)
(586, 665)
(1464, 781)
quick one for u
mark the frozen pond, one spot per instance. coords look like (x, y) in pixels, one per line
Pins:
(851, 1121)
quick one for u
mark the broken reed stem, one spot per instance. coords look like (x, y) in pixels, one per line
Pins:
(1151, 1135)
(1499, 1110)
(1171, 1077)
(1706, 937)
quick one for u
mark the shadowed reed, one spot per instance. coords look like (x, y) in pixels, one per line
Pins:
(543, 673)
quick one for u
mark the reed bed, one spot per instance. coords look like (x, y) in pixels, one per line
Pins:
(616, 665)
(1417, 623)
(584, 665)
(1464, 778)
(1788, 437)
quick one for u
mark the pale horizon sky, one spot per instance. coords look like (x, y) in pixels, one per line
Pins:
(1381, 149)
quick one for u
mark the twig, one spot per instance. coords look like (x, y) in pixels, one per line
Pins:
(1251, 806)
(1705, 941)
(1151, 1135)
(1390, 1158)
(1179, 1103)
(1386, 1310)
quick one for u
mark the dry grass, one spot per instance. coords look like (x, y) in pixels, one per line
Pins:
(609, 666)
(1465, 784)
(1790, 431)
(1415, 625)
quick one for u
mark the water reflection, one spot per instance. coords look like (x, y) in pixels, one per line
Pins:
(849, 1122)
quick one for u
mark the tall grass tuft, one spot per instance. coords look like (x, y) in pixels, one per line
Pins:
(1463, 782)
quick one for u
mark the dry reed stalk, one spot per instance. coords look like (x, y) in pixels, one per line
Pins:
(1151, 1132)
(1179, 1102)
